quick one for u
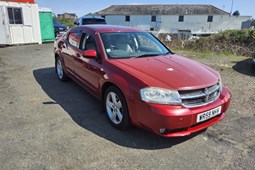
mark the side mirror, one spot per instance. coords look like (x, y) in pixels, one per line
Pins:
(76, 23)
(90, 53)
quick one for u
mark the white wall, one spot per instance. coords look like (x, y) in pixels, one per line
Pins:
(4, 29)
(197, 24)
(29, 31)
(138, 21)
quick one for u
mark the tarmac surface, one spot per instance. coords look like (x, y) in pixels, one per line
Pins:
(47, 124)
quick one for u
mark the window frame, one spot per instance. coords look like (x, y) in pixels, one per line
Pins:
(152, 29)
(13, 16)
(127, 18)
(153, 18)
(181, 18)
(210, 18)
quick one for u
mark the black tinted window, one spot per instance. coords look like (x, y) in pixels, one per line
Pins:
(93, 21)
(127, 18)
(181, 18)
(210, 19)
(15, 15)
(153, 18)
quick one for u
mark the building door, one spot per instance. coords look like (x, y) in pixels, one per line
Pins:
(46, 24)
(3, 37)
(184, 34)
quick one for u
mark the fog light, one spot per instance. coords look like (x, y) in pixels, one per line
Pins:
(162, 130)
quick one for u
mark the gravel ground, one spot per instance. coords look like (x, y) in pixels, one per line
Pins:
(46, 124)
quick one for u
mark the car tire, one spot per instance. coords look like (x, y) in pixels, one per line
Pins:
(60, 71)
(116, 108)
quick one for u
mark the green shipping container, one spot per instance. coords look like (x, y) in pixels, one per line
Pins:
(47, 28)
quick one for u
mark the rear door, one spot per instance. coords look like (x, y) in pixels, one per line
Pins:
(3, 36)
(69, 50)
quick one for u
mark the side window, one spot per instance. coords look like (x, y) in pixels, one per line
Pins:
(87, 42)
(210, 18)
(74, 38)
(15, 15)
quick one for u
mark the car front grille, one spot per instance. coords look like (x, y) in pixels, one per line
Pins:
(200, 97)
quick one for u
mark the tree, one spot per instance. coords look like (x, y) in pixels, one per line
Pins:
(70, 24)
(236, 13)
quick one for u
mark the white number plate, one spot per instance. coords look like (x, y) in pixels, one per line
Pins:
(209, 114)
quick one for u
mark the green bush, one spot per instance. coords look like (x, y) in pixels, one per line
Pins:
(68, 23)
(238, 42)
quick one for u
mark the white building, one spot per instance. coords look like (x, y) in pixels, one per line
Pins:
(176, 19)
(19, 23)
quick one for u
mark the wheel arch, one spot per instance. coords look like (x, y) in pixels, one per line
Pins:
(124, 86)
(120, 83)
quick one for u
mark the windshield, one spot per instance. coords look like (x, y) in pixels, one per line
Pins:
(132, 45)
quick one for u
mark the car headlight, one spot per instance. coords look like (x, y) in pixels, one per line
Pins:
(160, 96)
(220, 84)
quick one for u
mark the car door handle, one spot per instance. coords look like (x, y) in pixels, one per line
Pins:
(78, 55)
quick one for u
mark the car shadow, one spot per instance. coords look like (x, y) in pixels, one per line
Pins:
(245, 67)
(86, 111)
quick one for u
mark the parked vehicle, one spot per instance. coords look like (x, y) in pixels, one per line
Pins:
(140, 81)
(59, 27)
(86, 20)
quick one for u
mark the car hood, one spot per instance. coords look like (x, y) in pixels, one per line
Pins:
(170, 71)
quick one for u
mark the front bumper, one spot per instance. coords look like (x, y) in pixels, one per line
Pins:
(178, 120)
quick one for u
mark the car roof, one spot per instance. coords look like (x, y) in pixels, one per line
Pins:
(108, 28)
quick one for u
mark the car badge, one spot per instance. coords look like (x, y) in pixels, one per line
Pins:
(207, 93)
(170, 69)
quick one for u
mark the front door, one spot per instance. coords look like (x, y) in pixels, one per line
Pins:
(88, 69)
(3, 37)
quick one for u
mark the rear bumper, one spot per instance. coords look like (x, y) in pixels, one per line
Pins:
(178, 120)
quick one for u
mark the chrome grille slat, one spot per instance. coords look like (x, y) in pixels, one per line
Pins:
(192, 95)
(200, 97)
(213, 88)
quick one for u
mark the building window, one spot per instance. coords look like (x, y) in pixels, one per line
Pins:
(181, 18)
(152, 29)
(153, 18)
(15, 16)
(127, 18)
(210, 19)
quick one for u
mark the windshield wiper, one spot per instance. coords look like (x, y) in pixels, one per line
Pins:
(168, 53)
(146, 55)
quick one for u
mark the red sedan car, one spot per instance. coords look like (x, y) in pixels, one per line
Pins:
(140, 81)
